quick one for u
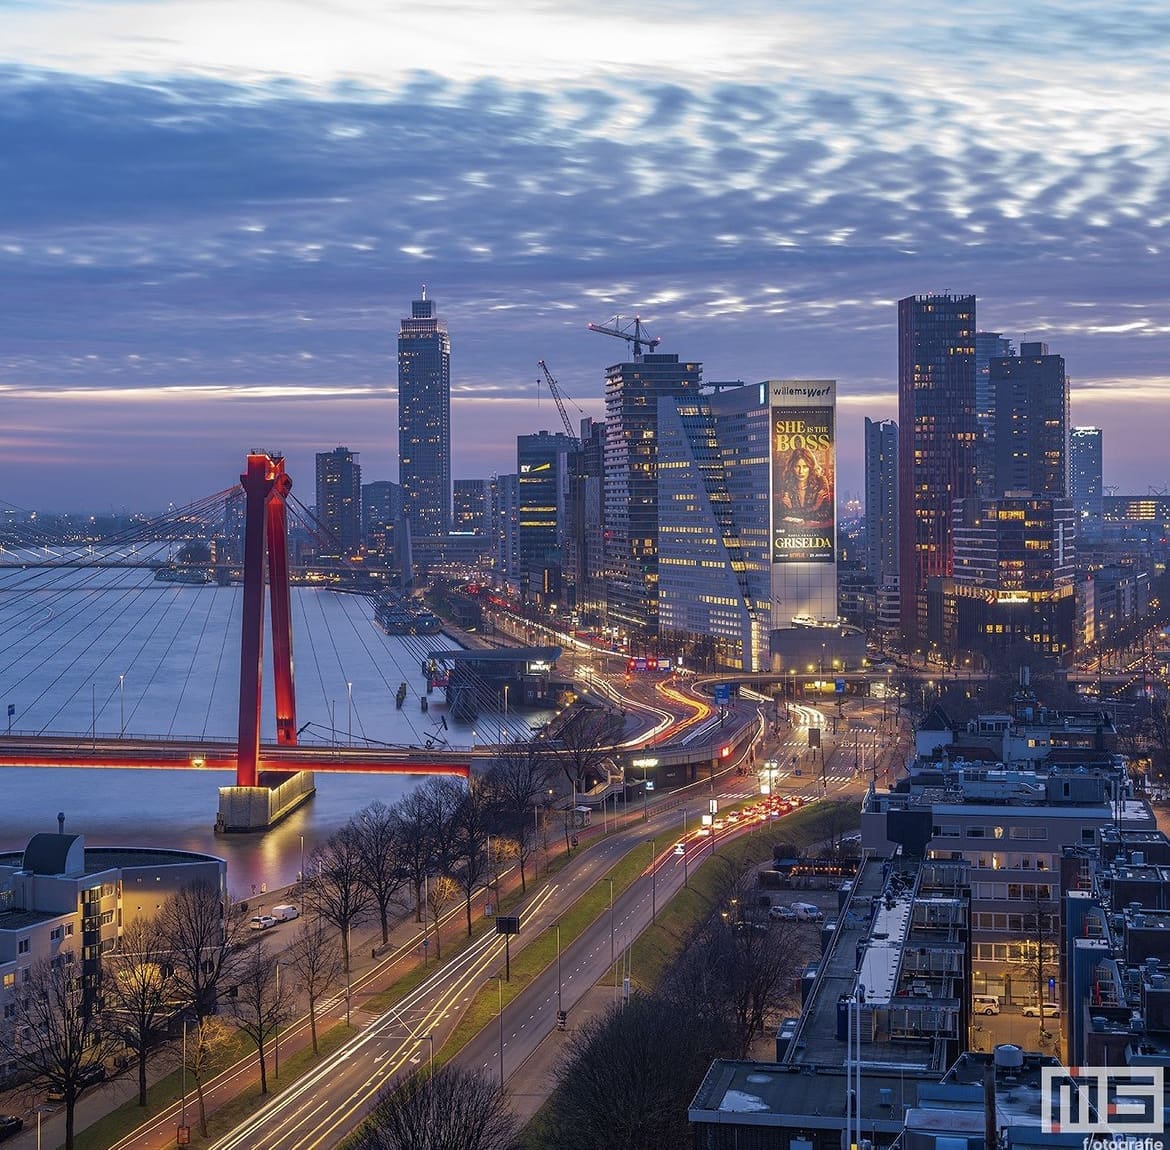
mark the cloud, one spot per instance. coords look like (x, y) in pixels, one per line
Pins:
(235, 218)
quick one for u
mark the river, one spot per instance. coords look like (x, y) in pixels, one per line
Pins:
(110, 650)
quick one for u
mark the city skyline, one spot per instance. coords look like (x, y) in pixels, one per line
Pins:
(210, 234)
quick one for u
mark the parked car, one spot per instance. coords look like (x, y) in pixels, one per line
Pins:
(9, 1125)
(87, 1076)
(261, 921)
(985, 1004)
(1047, 1009)
(286, 912)
(784, 913)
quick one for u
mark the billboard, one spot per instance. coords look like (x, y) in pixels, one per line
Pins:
(804, 476)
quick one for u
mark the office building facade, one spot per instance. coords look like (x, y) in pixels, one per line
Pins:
(339, 504)
(936, 447)
(1031, 422)
(1086, 481)
(381, 510)
(714, 569)
(989, 345)
(470, 507)
(881, 501)
(1014, 577)
(543, 465)
(424, 419)
(632, 392)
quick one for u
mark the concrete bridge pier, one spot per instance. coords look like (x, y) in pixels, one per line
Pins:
(279, 793)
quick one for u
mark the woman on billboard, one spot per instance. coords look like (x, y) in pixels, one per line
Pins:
(805, 496)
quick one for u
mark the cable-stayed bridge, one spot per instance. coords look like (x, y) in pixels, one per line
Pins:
(99, 639)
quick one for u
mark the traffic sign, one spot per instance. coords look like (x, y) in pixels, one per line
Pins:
(839, 686)
(723, 694)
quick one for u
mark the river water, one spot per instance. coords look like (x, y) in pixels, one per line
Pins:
(85, 651)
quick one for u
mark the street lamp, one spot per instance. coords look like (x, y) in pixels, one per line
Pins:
(122, 705)
(349, 725)
(276, 1024)
(611, 954)
(653, 886)
(685, 879)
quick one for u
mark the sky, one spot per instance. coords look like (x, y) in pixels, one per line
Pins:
(213, 214)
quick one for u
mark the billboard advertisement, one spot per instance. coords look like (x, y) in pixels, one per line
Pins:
(804, 503)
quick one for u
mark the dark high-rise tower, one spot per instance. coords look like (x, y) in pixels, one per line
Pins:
(1085, 475)
(989, 345)
(632, 392)
(881, 500)
(424, 419)
(544, 464)
(936, 441)
(339, 502)
(1031, 422)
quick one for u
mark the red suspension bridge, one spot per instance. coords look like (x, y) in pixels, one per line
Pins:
(271, 778)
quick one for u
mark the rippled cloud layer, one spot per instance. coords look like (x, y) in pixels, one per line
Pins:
(208, 230)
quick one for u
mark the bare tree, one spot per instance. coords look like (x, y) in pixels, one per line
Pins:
(262, 1002)
(140, 989)
(443, 797)
(316, 960)
(382, 871)
(631, 1073)
(518, 782)
(455, 1109)
(471, 828)
(202, 929)
(337, 884)
(741, 969)
(208, 1038)
(584, 742)
(57, 1034)
(441, 891)
(415, 843)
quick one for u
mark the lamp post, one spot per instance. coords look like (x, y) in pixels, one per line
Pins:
(653, 885)
(559, 1006)
(122, 705)
(183, 1103)
(611, 954)
(685, 880)
(349, 724)
(500, 983)
(301, 875)
(276, 1024)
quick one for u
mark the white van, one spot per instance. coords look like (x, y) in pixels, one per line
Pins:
(807, 912)
(285, 912)
(984, 1004)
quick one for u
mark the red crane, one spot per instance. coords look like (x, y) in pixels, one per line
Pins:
(637, 336)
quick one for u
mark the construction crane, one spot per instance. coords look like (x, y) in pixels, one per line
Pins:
(555, 388)
(637, 336)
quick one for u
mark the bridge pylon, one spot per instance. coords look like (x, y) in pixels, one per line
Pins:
(256, 803)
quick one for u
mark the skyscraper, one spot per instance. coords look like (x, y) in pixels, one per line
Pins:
(714, 558)
(881, 500)
(936, 443)
(543, 466)
(339, 503)
(1085, 475)
(989, 345)
(424, 419)
(1031, 422)
(632, 392)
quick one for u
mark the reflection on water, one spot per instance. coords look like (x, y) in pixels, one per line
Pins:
(166, 664)
(177, 809)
